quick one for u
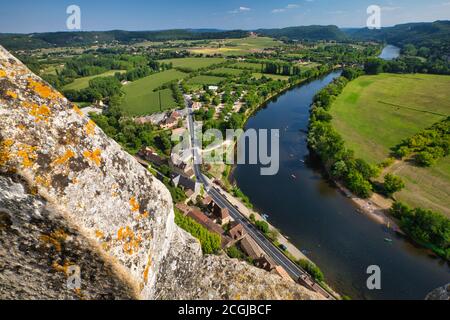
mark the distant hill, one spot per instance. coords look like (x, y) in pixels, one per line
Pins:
(310, 33)
(414, 33)
(63, 39)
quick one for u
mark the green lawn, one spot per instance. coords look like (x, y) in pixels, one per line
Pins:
(205, 80)
(375, 113)
(82, 83)
(227, 71)
(140, 98)
(193, 63)
(272, 76)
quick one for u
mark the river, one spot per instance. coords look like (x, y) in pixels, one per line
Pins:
(324, 223)
(390, 52)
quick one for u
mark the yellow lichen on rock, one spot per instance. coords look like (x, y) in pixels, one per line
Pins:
(90, 128)
(5, 151)
(28, 155)
(11, 94)
(94, 156)
(77, 110)
(43, 90)
(55, 238)
(131, 241)
(2, 73)
(69, 154)
(147, 269)
(134, 204)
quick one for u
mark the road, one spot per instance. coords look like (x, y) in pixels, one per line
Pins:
(214, 192)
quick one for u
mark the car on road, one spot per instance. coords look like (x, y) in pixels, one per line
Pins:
(283, 247)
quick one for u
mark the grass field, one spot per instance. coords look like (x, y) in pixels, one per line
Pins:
(272, 76)
(247, 65)
(242, 46)
(375, 113)
(205, 80)
(83, 83)
(193, 63)
(139, 96)
(227, 71)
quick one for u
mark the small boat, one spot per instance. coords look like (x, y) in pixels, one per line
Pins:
(294, 176)
(388, 240)
(302, 161)
(265, 216)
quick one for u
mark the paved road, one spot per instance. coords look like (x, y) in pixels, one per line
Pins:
(270, 249)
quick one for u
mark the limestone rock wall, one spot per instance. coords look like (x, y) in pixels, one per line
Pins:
(82, 197)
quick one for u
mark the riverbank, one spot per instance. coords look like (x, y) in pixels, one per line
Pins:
(316, 217)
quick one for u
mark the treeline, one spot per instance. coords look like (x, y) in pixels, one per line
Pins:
(428, 228)
(428, 146)
(406, 64)
(130, 135)
(210, 242)
(99, 89)
(280, 68)
(136, 66)
(327, 143)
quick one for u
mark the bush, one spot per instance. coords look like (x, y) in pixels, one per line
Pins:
(210, 242)
(263, 226)
(393, 184)
(312, 269)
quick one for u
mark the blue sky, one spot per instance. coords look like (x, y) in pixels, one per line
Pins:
(24, 16)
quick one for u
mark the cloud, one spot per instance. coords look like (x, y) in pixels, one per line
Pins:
(240, 10)
(288, 7)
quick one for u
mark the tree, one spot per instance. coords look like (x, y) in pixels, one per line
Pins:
(393, 184)
(263, 226)
(357, 184)
(374, 66)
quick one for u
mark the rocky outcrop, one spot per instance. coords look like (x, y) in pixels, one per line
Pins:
(442, 294)
(71, 197)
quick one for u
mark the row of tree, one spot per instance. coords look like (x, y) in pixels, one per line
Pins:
(99, 89)
(426, 227)
(428, 146)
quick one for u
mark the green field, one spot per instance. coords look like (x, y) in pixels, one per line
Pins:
(247, 65)
(140, 98)
(227, 71)
(82, 83)
(193, 63)
(272, 76)
(375, 113)
(205, 80)
(237, 47)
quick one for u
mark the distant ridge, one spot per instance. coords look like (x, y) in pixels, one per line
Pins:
(424, 33)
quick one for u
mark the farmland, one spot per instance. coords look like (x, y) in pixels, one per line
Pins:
(375, 113)
(82, 83)
(193, 63)
(141, 99)
(231, 47)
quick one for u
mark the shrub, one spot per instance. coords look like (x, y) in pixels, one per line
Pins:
(312, 269)
(393, 184)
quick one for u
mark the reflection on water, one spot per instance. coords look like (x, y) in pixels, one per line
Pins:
(390, 52)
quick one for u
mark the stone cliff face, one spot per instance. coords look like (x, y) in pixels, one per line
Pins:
(70, 196)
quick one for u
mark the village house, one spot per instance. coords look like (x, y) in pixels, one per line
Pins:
(150, 155)
(221, 215)
(202, 219)
(266, 263)
(208, 202)
(279, 270)
(190, 187)
(183, 207)
(237, 231)
(181, 164)
(172, 121)
(196, 106)
(251, 248)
